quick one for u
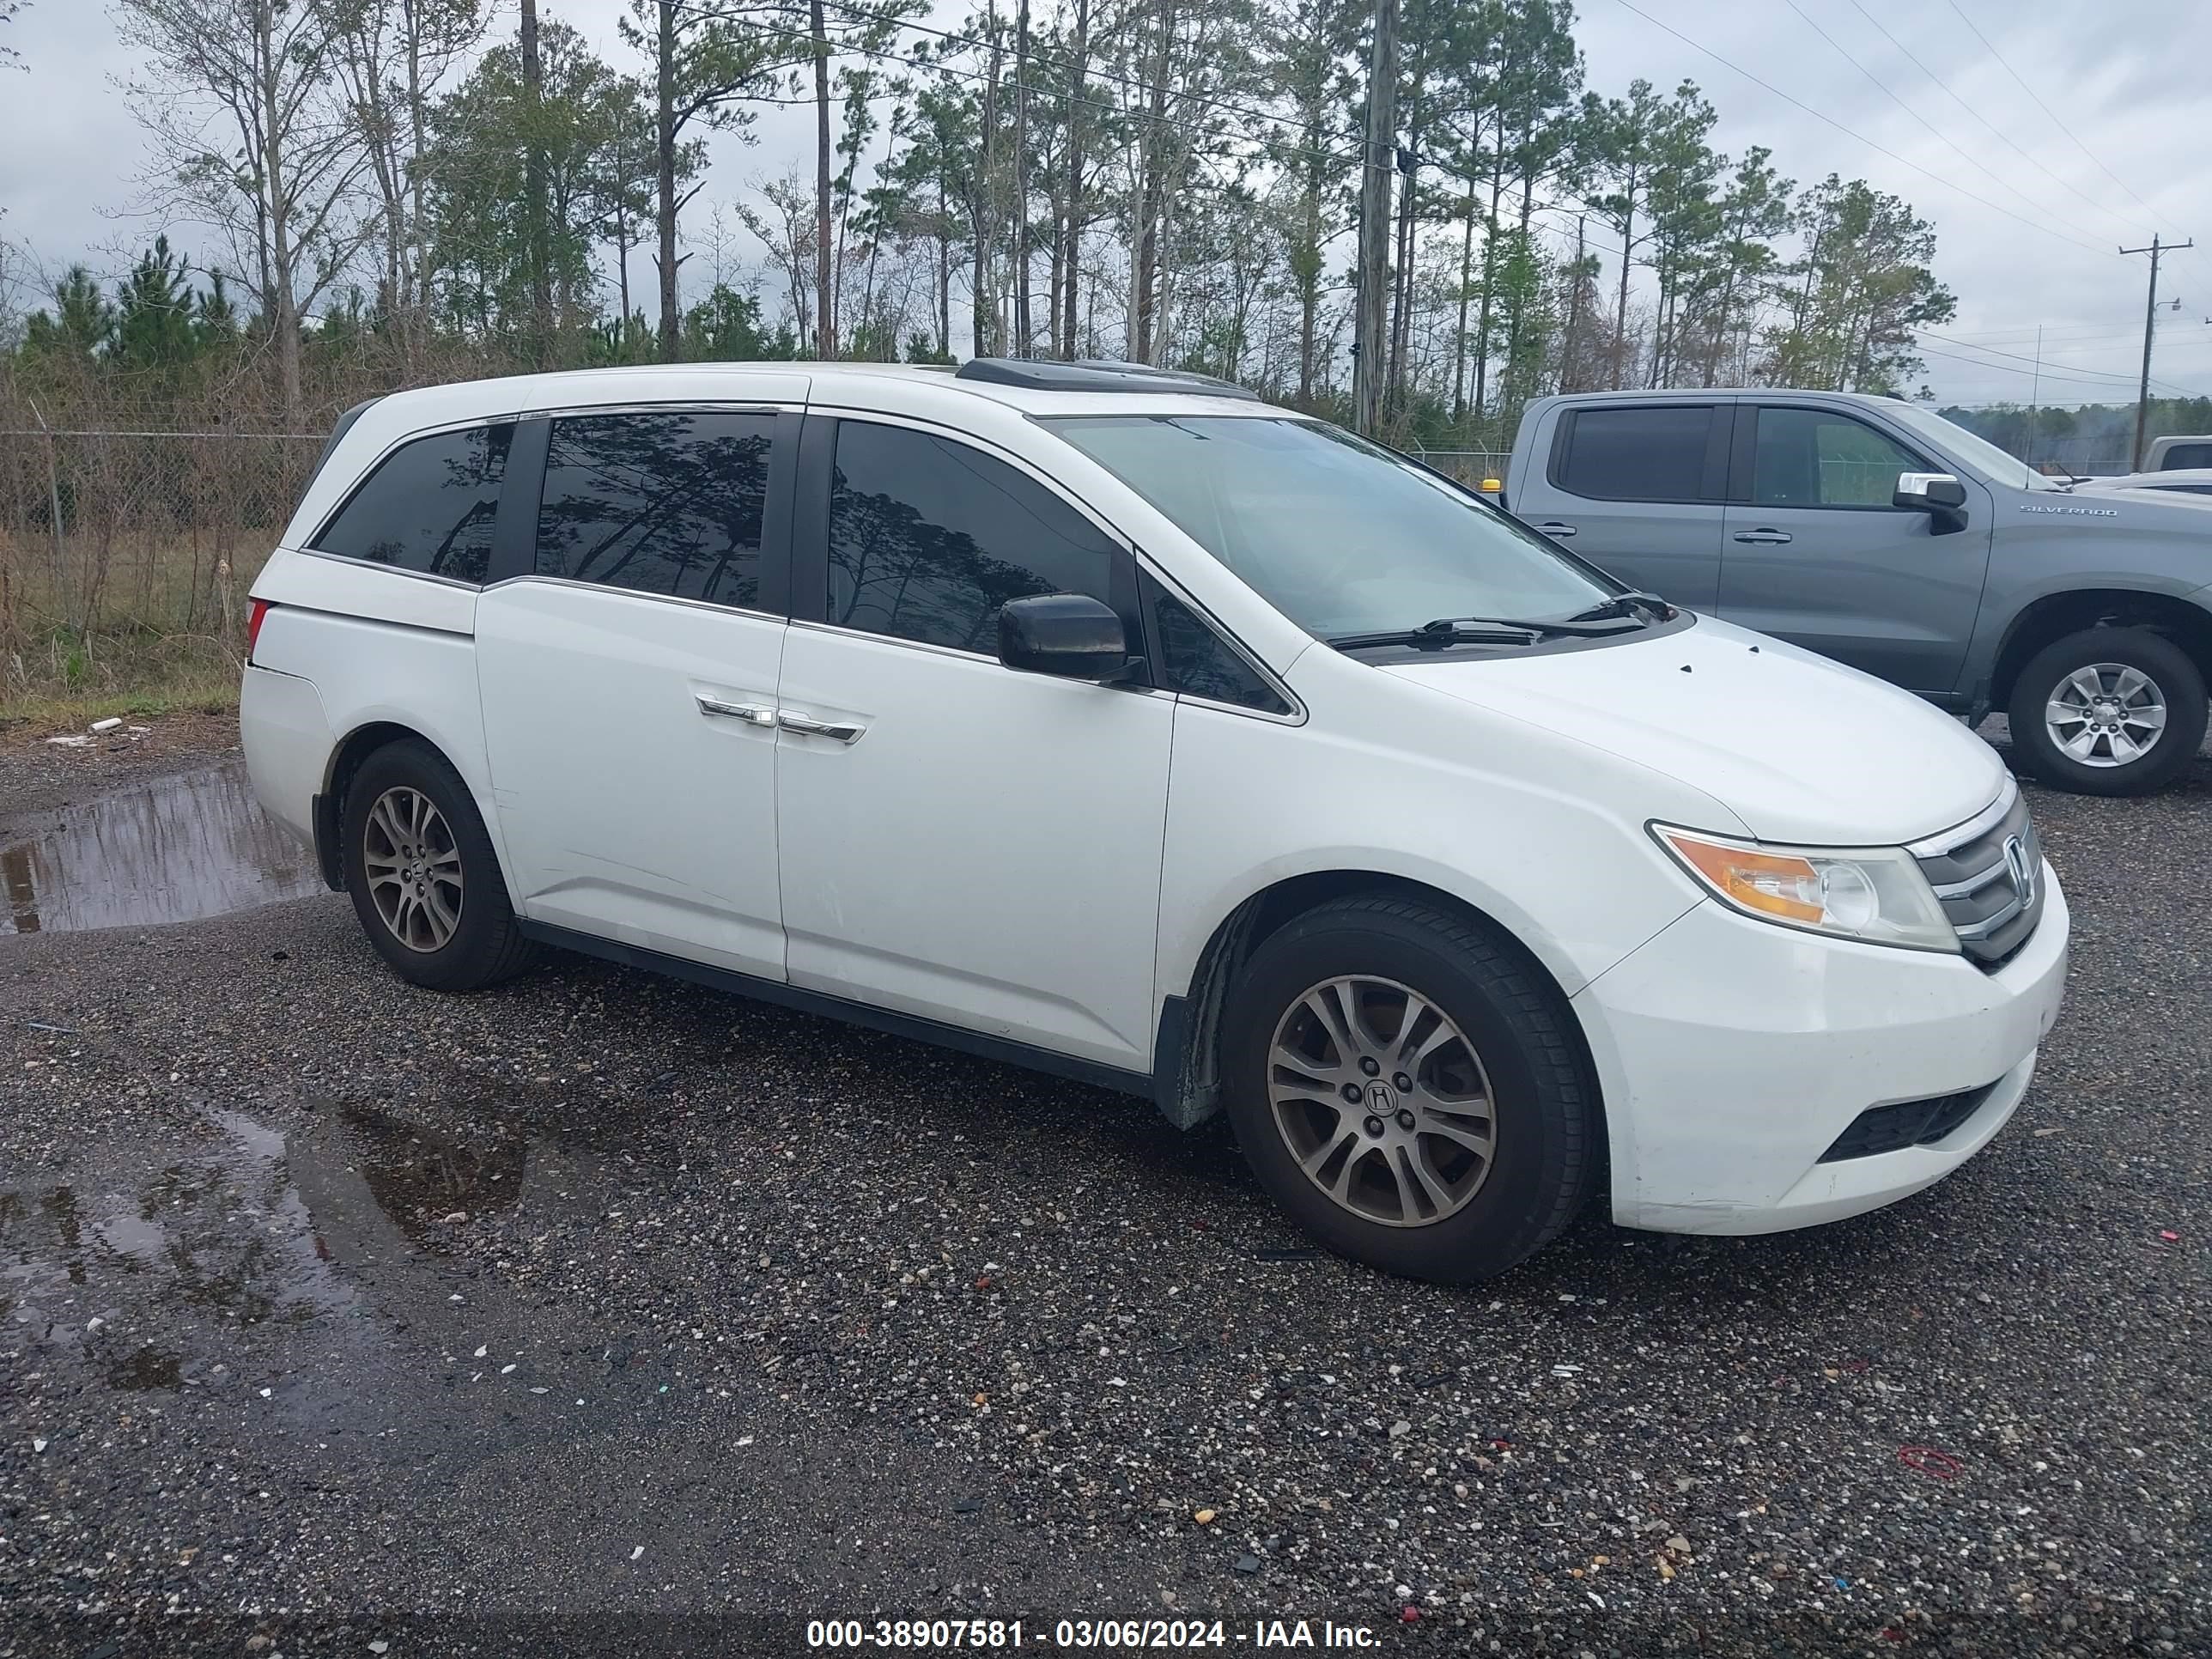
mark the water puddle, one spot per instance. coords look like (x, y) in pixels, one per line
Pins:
(175, 849)
(153, 1273)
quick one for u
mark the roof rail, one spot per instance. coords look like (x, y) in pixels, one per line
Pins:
(1097, 376)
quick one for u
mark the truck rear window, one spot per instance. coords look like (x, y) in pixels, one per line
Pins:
(1654, 454)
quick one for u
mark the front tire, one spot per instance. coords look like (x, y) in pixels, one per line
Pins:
(1473, 1138)
(423, 876)
(2108, 711)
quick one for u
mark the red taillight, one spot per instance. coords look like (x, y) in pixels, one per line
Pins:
(261, 608)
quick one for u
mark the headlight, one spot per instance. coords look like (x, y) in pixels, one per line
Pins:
(1875, 894)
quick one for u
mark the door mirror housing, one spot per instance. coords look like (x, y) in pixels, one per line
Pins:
(1930, 492)
(1071, 636)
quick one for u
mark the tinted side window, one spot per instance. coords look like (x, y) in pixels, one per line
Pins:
(929, 538)
(2181, 455)
(1655, 453)
(1806, 458)
(662, 503)
(1195, 660)
(430, 506)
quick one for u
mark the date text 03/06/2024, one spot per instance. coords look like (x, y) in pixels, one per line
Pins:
(947, 1635)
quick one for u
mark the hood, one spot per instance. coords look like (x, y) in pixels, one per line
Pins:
(1799, 748)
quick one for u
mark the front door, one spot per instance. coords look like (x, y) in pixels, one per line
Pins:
(962, 841)
(1815, 554)
(629, 682)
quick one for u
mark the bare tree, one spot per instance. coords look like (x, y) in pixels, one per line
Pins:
(7, 10)
(263, 73)
(393, 56)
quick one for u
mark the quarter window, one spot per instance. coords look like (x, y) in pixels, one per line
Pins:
(1197, 662)
(1653, 453)
(430, 506)
(1808, 458)
(929, 538)
(667, 502)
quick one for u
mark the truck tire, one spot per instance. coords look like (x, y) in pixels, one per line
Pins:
(2108, 711)
(1407, 1085)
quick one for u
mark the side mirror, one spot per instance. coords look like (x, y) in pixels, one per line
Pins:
(1071, 636)
(1930, 492)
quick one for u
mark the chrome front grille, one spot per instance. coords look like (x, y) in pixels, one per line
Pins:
(1987, 875)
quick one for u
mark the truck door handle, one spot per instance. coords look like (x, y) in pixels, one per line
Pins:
(1555, 528)
(1763, 537)
(751, 714)
(807, 727)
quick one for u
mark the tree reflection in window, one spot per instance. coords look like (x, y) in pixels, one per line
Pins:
(430, 506)
(661, 503)
(928, 538)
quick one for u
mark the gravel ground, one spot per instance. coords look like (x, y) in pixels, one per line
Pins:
(332, 1311)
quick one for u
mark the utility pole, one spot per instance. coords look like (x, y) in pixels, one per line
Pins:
(2034, 396)
(1378, 164)
(2150, 324)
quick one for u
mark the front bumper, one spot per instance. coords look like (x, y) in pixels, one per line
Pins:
(1733, 1054)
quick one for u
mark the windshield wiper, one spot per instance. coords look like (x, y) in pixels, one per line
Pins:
(1431, 636)
(1624, 604)
(1483, 630)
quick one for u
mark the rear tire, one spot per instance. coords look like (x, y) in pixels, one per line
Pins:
(1455, 1025)
(2115, 679)
(424, 880)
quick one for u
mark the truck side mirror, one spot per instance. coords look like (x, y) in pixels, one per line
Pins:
(1939, 495)
(1930, 492)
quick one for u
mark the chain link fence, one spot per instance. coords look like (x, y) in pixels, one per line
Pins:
(1469, 466)
(116, 541)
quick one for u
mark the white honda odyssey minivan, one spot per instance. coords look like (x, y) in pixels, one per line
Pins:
(1112, 722)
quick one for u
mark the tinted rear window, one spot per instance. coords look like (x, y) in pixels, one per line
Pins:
(660, 503)
(2181, 455)
(1655, 453)
(429, 506)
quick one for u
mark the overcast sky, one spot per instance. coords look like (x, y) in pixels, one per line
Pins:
(2037, 248)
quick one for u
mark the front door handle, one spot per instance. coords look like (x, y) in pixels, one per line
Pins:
(807, 727)
(1555, 528)
(751, 714)
(1763, 537)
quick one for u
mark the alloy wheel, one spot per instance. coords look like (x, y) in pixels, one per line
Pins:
(1383, 1101)
(2107, 714)
(414, 869)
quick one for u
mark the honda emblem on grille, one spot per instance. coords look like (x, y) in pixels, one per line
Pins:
(2022, 870)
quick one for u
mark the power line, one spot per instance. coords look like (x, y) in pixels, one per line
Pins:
(1848, 132)
(2110, 383)
(1943, 137)
(2049, 112)
(1915, 60)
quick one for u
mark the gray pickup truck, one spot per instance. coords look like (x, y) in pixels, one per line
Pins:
(1874, 532)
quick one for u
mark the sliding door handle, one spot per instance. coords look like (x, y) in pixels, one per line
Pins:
(751, 714)
(1763, 537)
(807, 727)
(1555, 528)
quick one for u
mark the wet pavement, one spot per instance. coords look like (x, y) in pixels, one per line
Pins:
(336, 1312)
(168, 849)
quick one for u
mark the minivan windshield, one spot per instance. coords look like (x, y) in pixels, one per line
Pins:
(1341, 537)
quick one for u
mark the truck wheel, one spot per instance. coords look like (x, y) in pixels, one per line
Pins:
(424, 880)
(2108, 711)
(1407, 1087)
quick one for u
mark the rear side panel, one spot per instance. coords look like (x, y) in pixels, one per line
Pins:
(287, 742)
(367, 671)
